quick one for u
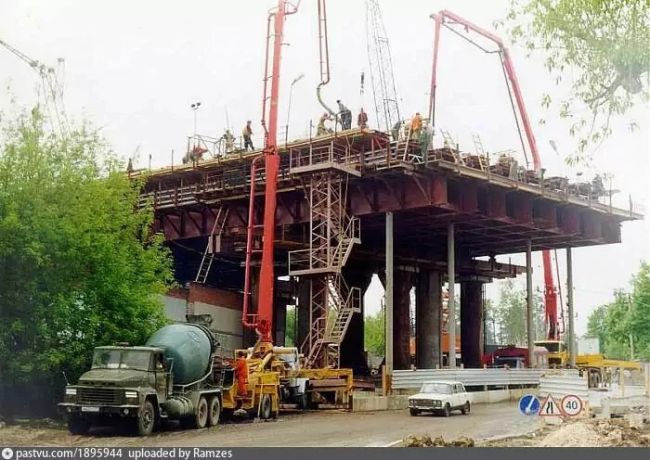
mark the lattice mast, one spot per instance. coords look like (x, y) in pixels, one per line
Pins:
(381, 68)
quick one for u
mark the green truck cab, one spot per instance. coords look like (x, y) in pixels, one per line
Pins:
(171, 377)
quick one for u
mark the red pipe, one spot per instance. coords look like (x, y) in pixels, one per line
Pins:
(550, 293)
(249, 246)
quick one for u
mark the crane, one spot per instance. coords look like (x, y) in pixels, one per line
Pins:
(447, 18)
(381, 68)
(262, 321)
(52, 87)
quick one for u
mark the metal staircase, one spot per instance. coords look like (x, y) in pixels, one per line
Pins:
(332, 236)
(212, 245)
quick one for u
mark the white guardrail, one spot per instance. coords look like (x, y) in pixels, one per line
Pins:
(563, 382)
(413, 380)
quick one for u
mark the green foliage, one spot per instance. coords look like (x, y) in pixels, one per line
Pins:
(290, 328)
(375, 336)
(78, 266)
(625, 317)
(509, 314)
(603, 45)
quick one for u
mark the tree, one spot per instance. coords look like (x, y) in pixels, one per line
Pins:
(290, 328)
(375, 336)
(78, 264)
(509, 314)
(604, 43)
(596, 324)
(626, 316)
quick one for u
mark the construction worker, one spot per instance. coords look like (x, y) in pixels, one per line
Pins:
(362, 119)
(345, 116)
(416, 126)
(246, 133)
(241, 374)
(229, 141)
(322, 129)
(395, 130)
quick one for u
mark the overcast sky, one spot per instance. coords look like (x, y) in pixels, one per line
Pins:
(134, 67)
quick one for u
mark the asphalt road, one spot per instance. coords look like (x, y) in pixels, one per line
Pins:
(313, 429)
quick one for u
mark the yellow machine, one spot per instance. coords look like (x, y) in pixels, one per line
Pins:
(277, 380)
(597, 365)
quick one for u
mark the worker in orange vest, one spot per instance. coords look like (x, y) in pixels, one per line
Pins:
(362, 119)
(416, 125)
(241, 374)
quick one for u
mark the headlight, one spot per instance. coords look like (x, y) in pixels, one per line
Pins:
(131, 394)
(437, 403)
(71, 392)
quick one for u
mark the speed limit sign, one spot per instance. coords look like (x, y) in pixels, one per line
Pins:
(571, 405)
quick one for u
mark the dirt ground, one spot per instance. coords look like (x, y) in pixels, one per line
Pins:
(583, 433)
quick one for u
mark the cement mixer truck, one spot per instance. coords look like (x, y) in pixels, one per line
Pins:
(170, 377)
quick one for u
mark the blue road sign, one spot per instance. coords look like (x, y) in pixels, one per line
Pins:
(529, 405)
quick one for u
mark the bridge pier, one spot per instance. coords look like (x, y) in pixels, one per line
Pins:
(428, 315)
(471, 323)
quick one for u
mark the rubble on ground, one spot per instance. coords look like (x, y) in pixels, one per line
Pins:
(426, 441)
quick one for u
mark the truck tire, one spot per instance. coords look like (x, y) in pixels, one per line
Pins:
(78, 425)
(214, 411)
(265, 410)
(146, 419)
(201, 414)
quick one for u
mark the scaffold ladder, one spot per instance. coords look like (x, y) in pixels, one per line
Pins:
(208, 254)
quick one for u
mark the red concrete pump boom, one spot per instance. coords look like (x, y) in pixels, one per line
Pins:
(447, 18)
(262, 321)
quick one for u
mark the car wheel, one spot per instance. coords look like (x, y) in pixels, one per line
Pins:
(447, 410)
(146, 419)
(465, 409)
(214, 411)
(78, 425)
(414, 412)
(201, 414)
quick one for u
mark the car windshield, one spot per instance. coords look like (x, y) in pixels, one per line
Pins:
(552, 347)
(121, 359)
(443, 388)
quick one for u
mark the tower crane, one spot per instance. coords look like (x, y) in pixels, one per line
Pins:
(381, 68)
(447, 19)
(52, 87)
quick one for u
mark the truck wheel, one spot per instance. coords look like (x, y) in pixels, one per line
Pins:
(214, 411)
(447, 411)
(78, 425)
(146, 420)
(201, 414)
(265, 411)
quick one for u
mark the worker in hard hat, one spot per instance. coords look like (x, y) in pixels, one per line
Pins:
(321, 128)
(229, 141)
(416, 126)
(345, 115)
(241, 374)
(247, 133)
(362, 119)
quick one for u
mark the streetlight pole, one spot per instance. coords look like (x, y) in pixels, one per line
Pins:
(195, 108)
(295, 80)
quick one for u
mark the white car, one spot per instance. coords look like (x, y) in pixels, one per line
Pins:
(441, 397)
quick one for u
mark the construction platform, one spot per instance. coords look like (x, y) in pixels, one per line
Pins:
(495, 210)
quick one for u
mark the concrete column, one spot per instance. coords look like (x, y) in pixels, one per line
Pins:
(471, 323)
(302, 310)
(352, 348)
(529, 303)
(451, 303)
(569, 287)
(428, 312)
(388, 296)
(402, 320)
